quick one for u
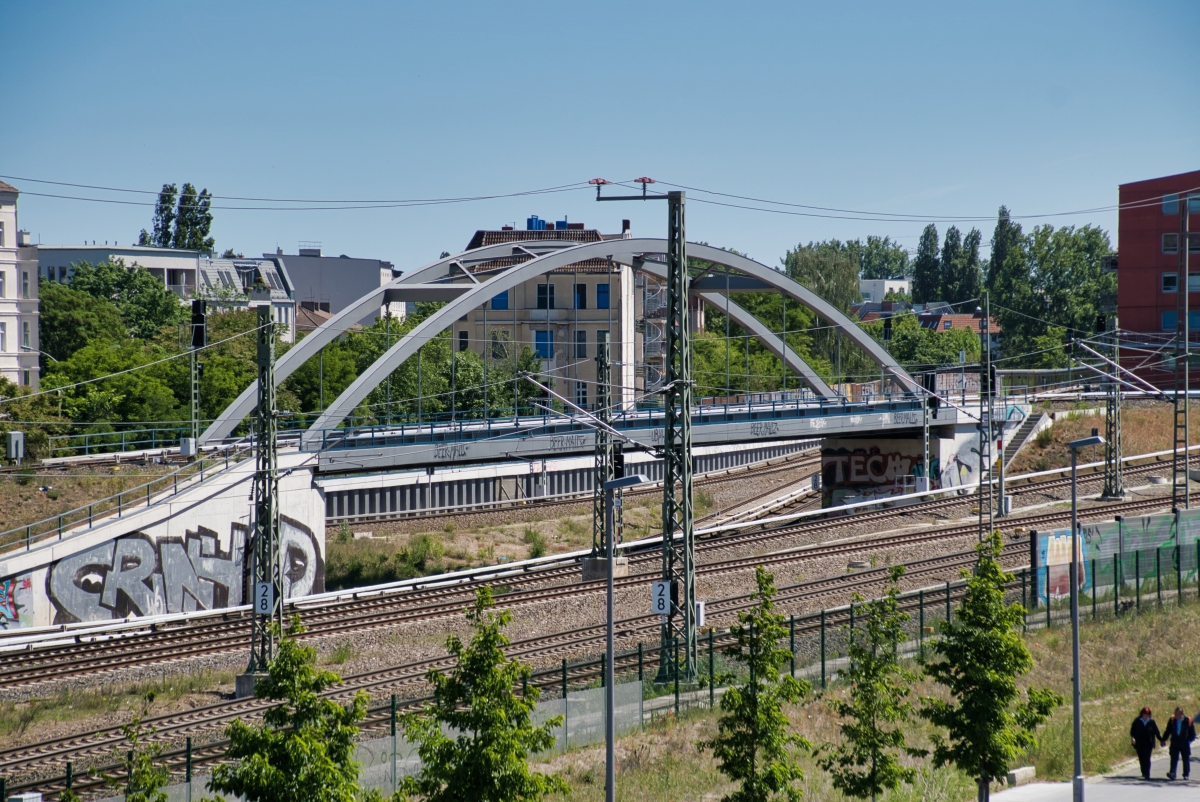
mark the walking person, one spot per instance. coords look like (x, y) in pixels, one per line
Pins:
(1180, 734)
(1145, 735)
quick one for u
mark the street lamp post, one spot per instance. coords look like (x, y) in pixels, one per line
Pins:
(1073, 578)
(610, 697)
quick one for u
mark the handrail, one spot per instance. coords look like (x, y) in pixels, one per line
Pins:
(56, 524)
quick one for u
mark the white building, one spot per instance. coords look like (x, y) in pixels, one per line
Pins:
(181, 272)
(19, 342)
(874, 289)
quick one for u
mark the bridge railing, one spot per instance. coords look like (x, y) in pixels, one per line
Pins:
(144, 495)
(729, 410)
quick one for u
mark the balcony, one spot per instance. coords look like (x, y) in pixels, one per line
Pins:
(183, 291)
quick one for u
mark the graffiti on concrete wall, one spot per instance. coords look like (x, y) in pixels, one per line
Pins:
(16, 601)
(135, 575)
(862, 471)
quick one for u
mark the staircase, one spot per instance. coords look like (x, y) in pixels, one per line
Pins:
(1021, 437)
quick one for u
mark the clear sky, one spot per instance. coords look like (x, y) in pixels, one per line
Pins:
(916, 108)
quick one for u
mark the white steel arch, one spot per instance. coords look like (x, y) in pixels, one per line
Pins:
(627, 251)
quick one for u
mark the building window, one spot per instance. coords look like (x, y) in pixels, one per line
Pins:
(25, 378)
(1169, 319)
(1193, 204)
(25, 284)
(543, 344)
(500, 302)
(581, 395)
(1170, 204)
(602, 296)
(500, 341)
(1170, 243)
(1194, 320)
(463, 341)
(1170, 282)
(1, 235)
(2, 293)
(1193, 243)
(581, 345)
(947, 324)
(545, 297)
(581, 296)
(25, 334)
(3, 337)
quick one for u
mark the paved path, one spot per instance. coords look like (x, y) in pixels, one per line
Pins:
(1122, 785)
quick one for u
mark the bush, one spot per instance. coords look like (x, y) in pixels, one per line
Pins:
(1045, 437)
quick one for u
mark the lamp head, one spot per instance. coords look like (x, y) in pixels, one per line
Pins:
(1094, 440)
(626, 481)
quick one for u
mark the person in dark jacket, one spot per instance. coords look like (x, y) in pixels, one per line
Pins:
(1180, 732)
(1145, 735)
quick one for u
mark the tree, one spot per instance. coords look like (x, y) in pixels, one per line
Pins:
(145, 304)
(962, 279)
(476, 737)
(304, 748)
(1004, 239)
(70, 319)
(831, 271)
(880, 257)
(164, 218)
(982, 655)
(193, 220)
(913, 345)
(142, 775)
(865, 763)
(951, 265)
(927, 281)
(753, 747)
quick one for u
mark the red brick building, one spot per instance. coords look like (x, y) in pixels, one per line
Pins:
(1148, 237)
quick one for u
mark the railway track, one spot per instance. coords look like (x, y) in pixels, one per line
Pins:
(173, 641)
(50, 754)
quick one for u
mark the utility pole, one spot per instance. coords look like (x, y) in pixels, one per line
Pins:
(1180, 492)
(1114, 480)
(265, 568)
(678, 632)
(985, 424)
(199, 341)
(606, 451)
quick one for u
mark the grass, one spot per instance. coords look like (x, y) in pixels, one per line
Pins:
(355, 563)
(22, 721)
(1135, 660)
(1144, 428)
(340, 655)
(23, 502)
(537, 543)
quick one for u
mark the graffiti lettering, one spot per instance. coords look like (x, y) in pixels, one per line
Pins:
(451, 452)
(136, 576)
(15, 601)
(568, 442)
(817, 423)
(765, 428)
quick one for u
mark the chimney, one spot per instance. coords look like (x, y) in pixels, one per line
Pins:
(625, 230)
(22, 239)
(278, 251)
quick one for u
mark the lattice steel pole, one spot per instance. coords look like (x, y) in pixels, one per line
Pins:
(199, 340)
(265, 568)
(1114, 480)
(677, 512)
(604, 452)
(1180, 492)
(985, 425)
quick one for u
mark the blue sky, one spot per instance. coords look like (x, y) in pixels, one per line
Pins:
(916, 108)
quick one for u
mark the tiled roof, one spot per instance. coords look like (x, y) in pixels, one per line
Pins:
(309, 319)
(7, 187)
(938, 321)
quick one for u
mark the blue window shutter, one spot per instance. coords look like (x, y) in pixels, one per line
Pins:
(1169, 321)
(500, 302)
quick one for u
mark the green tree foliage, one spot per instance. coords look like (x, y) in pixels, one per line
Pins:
(137, 390)
(866, 763)
(913, 345)
(831, 271)
(164, 219)
(476, 737)
(70, 319)
(304, 748)
(927, 274)
(144, 303)
(961, 274)
(38, 416)
(753, 747)
(184, 225)
(879, 257)
(987, 724)
(1046, 279)
(193, 220)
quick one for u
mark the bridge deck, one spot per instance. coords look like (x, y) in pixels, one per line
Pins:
(527, 437)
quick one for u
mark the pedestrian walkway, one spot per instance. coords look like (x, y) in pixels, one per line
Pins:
(1119, 786)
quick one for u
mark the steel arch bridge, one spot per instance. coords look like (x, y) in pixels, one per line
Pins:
(451, 280)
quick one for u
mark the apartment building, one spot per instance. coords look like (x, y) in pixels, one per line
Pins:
(19, 343)
(562, 315)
